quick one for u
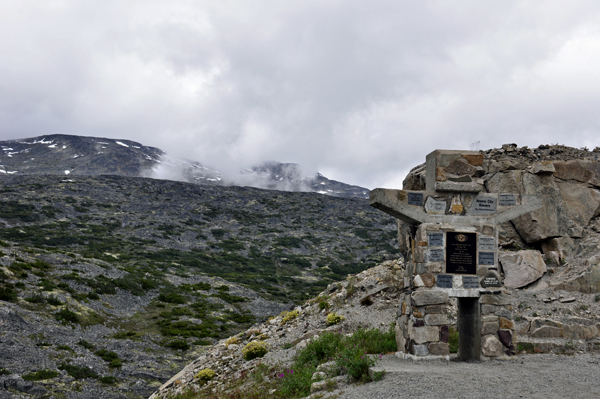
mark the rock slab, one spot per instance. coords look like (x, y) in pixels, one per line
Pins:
(521, 268)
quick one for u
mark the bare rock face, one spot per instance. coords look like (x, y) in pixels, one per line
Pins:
(522, 268)
(587, 282)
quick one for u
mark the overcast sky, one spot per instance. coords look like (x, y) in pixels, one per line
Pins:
(360, 91)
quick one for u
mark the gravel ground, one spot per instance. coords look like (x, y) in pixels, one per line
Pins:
(527, 376)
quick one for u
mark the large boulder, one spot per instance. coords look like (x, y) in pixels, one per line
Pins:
(543, 223)
(567, 206)
(584, 171)
(521, 268)
(491, 346)
(579, 204)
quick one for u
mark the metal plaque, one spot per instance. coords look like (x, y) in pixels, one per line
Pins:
(444, 281)
(436, 255)
(507, 200)
(486, 258)
(461, 250)
(470, 282)
(436, 239)
(483, 205)
(487, 243)
(491, 279)
(415, 199)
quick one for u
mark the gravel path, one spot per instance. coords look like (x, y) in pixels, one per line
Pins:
(528, 376)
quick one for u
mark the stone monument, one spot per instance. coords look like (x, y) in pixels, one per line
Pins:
(451, 232)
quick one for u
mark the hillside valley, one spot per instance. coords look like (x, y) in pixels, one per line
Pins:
(111, 284)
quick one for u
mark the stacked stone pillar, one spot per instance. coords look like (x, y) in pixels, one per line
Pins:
(452, 252)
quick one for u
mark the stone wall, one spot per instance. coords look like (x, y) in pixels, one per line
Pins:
(564, 231)
(567, 179)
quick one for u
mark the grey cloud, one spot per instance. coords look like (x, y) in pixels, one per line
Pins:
(358, 91)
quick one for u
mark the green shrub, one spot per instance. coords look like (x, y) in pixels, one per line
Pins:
(109, 379)
(525, 347)
(333, 318)
(289, 242)
(40, 264)
(178, 344)
(47, 285)
(350, 354)
(201, 286)
(218, 233)
(65, 348)
(322, 301)
(254, 350)
(172, 297)
(40, 375)
(36, 298)
(453, 340)
(86, 345)
(54, 301)
(66, 316)
(229, 298)
(205, 375)
(147, 284)
(78, 372)
(319, 349)
(354, 361)
(374, 340)
(7, 294)
(4, 371)
(289, 316)
(366, 301)
(93, 295)
(126, 335)
(111, 357)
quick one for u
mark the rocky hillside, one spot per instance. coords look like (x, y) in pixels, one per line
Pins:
(366, 300)
(92, 156)
(109, 284)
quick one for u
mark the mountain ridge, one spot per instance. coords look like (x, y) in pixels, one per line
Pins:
(85, 155)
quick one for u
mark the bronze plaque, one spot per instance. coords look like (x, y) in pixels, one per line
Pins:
(461, 253)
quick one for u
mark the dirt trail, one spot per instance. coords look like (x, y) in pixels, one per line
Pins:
(527, 376)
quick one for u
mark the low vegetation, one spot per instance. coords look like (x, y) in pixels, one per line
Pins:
(254, 349)
(40, 375)
(333, 318)
(453, 340)
(353, 355)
